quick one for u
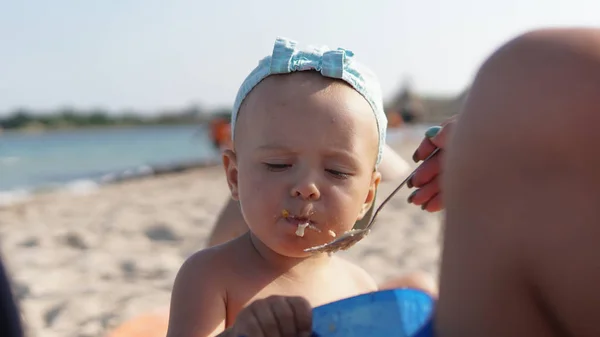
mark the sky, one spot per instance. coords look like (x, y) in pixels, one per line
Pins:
(154, 54)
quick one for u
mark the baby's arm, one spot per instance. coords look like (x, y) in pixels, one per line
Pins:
(197, 301)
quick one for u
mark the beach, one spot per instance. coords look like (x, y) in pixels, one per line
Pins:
(84, 261)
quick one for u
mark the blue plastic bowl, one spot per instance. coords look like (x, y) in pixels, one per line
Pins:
(397, 312)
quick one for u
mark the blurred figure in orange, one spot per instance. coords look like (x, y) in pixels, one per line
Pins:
(394, 120)
(220, 133)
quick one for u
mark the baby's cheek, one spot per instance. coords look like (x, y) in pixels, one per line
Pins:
(260, 205)
(341, 220)
(253, 186)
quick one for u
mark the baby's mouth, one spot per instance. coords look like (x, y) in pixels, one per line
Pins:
(300, 221)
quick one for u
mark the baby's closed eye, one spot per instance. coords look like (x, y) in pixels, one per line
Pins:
(338, 174)
(276, 167)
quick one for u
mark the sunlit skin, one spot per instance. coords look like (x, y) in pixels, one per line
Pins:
(427, 179)
(319, 154)
(521, 192)
(306, 145)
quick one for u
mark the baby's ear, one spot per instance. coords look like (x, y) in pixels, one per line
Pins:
(370, 199)
(231, 172)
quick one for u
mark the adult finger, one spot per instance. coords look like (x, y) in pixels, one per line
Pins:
(440, 138)
(426, 172)
(426, 193)
(435, 204)
(435, 137)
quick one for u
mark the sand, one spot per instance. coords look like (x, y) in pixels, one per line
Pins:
(83, 263)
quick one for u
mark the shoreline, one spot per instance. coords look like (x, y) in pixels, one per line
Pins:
(12, 197)
(198, 123)
(34, 131)
(86, 183)
(166, 169)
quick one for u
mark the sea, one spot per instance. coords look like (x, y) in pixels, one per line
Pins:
(82, 160)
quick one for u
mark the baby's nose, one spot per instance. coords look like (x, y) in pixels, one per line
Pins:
(306, 191)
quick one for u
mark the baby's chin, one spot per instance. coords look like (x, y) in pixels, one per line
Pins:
(293, 249)
(298, 254)
(290, 240)
(293, 246)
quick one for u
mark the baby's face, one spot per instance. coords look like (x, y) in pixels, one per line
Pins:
(307, 145)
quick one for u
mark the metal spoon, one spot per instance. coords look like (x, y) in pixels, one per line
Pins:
(350, 238)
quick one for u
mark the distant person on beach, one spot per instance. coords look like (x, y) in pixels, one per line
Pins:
(220, 133)
(309, 130)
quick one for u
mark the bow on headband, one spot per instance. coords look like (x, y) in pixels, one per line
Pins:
(339, 64)
(286, 58)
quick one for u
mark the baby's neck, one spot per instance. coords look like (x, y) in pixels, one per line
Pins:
(288, 265)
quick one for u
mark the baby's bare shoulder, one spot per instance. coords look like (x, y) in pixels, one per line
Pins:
(356, 274)
(210, 263)
(198, 299)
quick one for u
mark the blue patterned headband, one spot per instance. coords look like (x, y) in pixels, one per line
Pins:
(338, 63)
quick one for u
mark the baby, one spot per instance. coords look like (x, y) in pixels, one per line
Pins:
(308, 128)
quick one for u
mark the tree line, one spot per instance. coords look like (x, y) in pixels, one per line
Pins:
(23, 119)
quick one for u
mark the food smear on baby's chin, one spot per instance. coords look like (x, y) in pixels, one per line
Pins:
(331, 233)
(301, 228)
(285, 213)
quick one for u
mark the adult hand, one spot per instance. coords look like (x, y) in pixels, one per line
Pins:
(427, 178)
